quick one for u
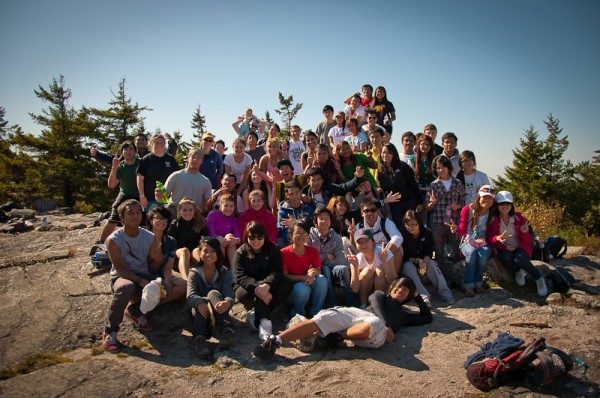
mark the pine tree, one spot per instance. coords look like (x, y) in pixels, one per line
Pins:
(12, 166)
(118, 121)
(288, 111)
(269, 121)
(554, 147)
(199, 126)
(61, 167)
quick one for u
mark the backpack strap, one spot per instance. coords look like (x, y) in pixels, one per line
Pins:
(382, 225)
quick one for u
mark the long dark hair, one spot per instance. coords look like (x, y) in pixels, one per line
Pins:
(161, 211)
(338, 148)
(216, 246)
(395, 165)
(429, 157)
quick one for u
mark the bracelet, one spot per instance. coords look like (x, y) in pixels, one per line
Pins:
(142, 196)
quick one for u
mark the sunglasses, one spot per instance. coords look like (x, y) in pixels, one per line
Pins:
(256, 237)
(370, 210)
(209, 140)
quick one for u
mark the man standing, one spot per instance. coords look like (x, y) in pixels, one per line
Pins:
(189, 182)
(431, 131)
(323, 128)
(212, 162)
(296, 149)
(122, 173)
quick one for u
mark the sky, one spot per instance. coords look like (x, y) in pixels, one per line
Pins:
(485, 70)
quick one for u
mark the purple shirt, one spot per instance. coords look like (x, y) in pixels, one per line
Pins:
(220, 225)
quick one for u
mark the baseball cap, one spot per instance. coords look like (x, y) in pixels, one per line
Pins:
(504, 196)
(208, 135)
(284, 162)
(363, 233)
(486, 190)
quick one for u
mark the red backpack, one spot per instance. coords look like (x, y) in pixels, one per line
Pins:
(489, 373)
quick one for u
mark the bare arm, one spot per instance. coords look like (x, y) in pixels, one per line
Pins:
(140, 187)
(113, 181)
(114, 253)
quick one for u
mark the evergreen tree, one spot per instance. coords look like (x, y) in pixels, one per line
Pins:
(288, 111)
(12, 166)
(117, 122)
(554, 147)
(199, 126)
(269, 121)
(61, 167)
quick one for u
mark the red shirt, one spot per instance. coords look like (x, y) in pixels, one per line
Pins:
(299, 265)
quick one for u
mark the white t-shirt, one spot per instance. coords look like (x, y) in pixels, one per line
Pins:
(363, 263)
(472, 184)
(408, 159)
(295, 152)
(359, 112)
(338, 134)
(238, 169)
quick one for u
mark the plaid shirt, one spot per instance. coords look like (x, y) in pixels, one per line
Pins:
(455, 195)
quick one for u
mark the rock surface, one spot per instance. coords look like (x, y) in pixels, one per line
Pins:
(52, 301)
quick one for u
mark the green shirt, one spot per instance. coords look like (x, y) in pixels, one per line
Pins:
(126, 174)
(362, 161)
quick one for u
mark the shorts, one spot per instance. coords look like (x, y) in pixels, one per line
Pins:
(337, 319)
(114, 216)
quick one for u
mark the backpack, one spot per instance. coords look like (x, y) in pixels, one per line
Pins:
(538, 251)
(562, 279)
(551, 363)
(557, 246)
(99, 256)
(489, 373)
(381, 226)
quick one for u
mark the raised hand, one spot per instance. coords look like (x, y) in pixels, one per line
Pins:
(116, 160)
(383, 254)
(359, 172)
(525, 226)
(352, 260)
(352, 228)
(393, 197)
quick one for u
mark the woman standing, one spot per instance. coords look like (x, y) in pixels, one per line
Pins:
(397, 180)
(238, 163)
(386, 113)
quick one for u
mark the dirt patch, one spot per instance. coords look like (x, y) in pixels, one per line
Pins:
(49, 303)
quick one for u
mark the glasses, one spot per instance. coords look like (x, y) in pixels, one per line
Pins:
(370, 210)
(209, 140)
(411, 225)
(256, 237)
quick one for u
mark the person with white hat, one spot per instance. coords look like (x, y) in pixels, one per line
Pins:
(474, 219)
(509, 234)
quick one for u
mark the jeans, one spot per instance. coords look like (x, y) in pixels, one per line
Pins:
(201, 325)
(441, 236)
(435, 276)
(516, 260)
(475, 264)
(341, 274)
(302, 293)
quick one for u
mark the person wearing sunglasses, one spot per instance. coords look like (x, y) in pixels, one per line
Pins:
(212, 165)
(257, 264)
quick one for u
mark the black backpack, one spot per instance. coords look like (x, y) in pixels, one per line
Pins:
(562, 279)
(557, 246)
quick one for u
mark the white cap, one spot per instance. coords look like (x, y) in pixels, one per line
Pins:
(503, 197)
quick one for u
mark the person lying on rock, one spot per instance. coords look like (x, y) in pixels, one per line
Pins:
(369, 328)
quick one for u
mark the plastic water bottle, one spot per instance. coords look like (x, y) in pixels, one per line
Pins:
(448, 216)
(44, 222)
(164, 197)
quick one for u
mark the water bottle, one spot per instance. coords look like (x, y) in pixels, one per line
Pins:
(164, 197)
(448, 219)
(44, 222)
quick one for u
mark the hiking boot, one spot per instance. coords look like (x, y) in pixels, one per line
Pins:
(265, 329)
(520, 277)
(250, 317)
(479, 289)
(226, 338)
(542, 289)
(469, 292)
(110, 342)
(267, 349)
(201, 348)
(329, 342)
(140, 322)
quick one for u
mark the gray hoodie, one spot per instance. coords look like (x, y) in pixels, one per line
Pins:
(332, 243)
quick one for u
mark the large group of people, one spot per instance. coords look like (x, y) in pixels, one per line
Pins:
(285, 220)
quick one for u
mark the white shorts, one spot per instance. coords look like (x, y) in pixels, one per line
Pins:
(338, 319)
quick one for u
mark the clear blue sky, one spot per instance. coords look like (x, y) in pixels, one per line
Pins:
(484, 70)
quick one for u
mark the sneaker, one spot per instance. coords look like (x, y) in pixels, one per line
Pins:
(201, 348)
(110, 342)
(450, 301)
(542, 289)
(520, 277)
(329, 342)
(267, 348)
(139, 321)
(265, 329)
(469, 292)
(226, 338)
(250, 317)
(427, 301)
